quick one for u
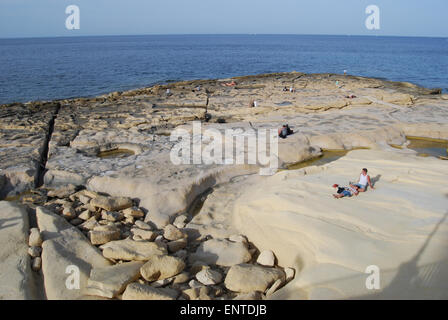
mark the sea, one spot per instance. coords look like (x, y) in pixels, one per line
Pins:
(68, 67)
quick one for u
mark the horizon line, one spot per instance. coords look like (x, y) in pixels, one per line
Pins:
(219, 34)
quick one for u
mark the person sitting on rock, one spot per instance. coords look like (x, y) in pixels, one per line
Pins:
(363, 181)
(345, 191)
(285, 131)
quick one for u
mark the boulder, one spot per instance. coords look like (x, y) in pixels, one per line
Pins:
(247, 278)
(132, 250)
(111, 203)
(111, 281)
(160, 267)
(16, 276)
(266, 258)
(221, 252)
(67, 256)
(137, 291)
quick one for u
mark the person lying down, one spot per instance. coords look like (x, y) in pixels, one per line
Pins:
(345, 191)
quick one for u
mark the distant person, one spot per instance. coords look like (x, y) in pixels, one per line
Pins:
(285, 131)
(363, 181)
(345, 191)
(230, 84)
(292, 90)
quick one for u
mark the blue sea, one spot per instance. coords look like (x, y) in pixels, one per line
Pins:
(66, 67)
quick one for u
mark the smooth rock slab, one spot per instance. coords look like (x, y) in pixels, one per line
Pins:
(110, 281)
(161, 267)
(132, 250)
(65, 249)
(248, 278)
(111, 203)
(137, 291)
(16, 282)
(221, 252)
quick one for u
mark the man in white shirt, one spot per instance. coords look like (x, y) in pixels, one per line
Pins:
(364, 180)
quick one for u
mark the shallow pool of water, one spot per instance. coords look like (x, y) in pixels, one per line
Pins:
(116, 153)
(429, 147)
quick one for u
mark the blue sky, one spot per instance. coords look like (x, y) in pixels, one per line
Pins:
(41, 18)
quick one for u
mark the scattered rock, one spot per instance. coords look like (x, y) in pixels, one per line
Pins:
(133, 212)
(104, 234)
(277, 284)
(132, 250)
(62, 192)
(34, 251)
(85, 215)
(137, 291)
(171, 233)
(247, 278)
(160, 267)
(209, 277)
(238, 238)
(144, 234)
(111, 281)
(198, 293)
(180, 221)
(221, 252)
(35, 238)
(112, 216)
(69, 212)
(255, 295)
(111, 203)
(36, 264)
(142, 225)
(289, 272)
(266, 258)
(174, 246)
(182, 277)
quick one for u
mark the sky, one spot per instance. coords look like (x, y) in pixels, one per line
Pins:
(46, 18)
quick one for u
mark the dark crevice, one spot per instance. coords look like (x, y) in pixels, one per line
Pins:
(44, 153)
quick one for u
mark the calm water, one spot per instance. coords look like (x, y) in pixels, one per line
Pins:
(51, 68)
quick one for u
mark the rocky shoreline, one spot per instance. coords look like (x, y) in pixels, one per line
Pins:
(98, 189)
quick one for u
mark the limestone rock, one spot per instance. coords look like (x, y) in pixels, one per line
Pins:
(255, 295)
(221, 252)
(34, 251)
(209, 277)
(247, 278)
(112, 216)
(137, 291)
(132, 250)
(111, 281)
(142, 225)
(133, 212)
(160, 267)
(104, 234)
(85, 215)
(65, 249)
(181, 278)
(34, 239)
(174, 246)
(266, 258)
(111, 203)
(16, 282)
(238, 238)
(144, 234)
(289, 272)
(62, 192)
(277, 284)
(170, 232)
(36, 264)
(180, 221)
